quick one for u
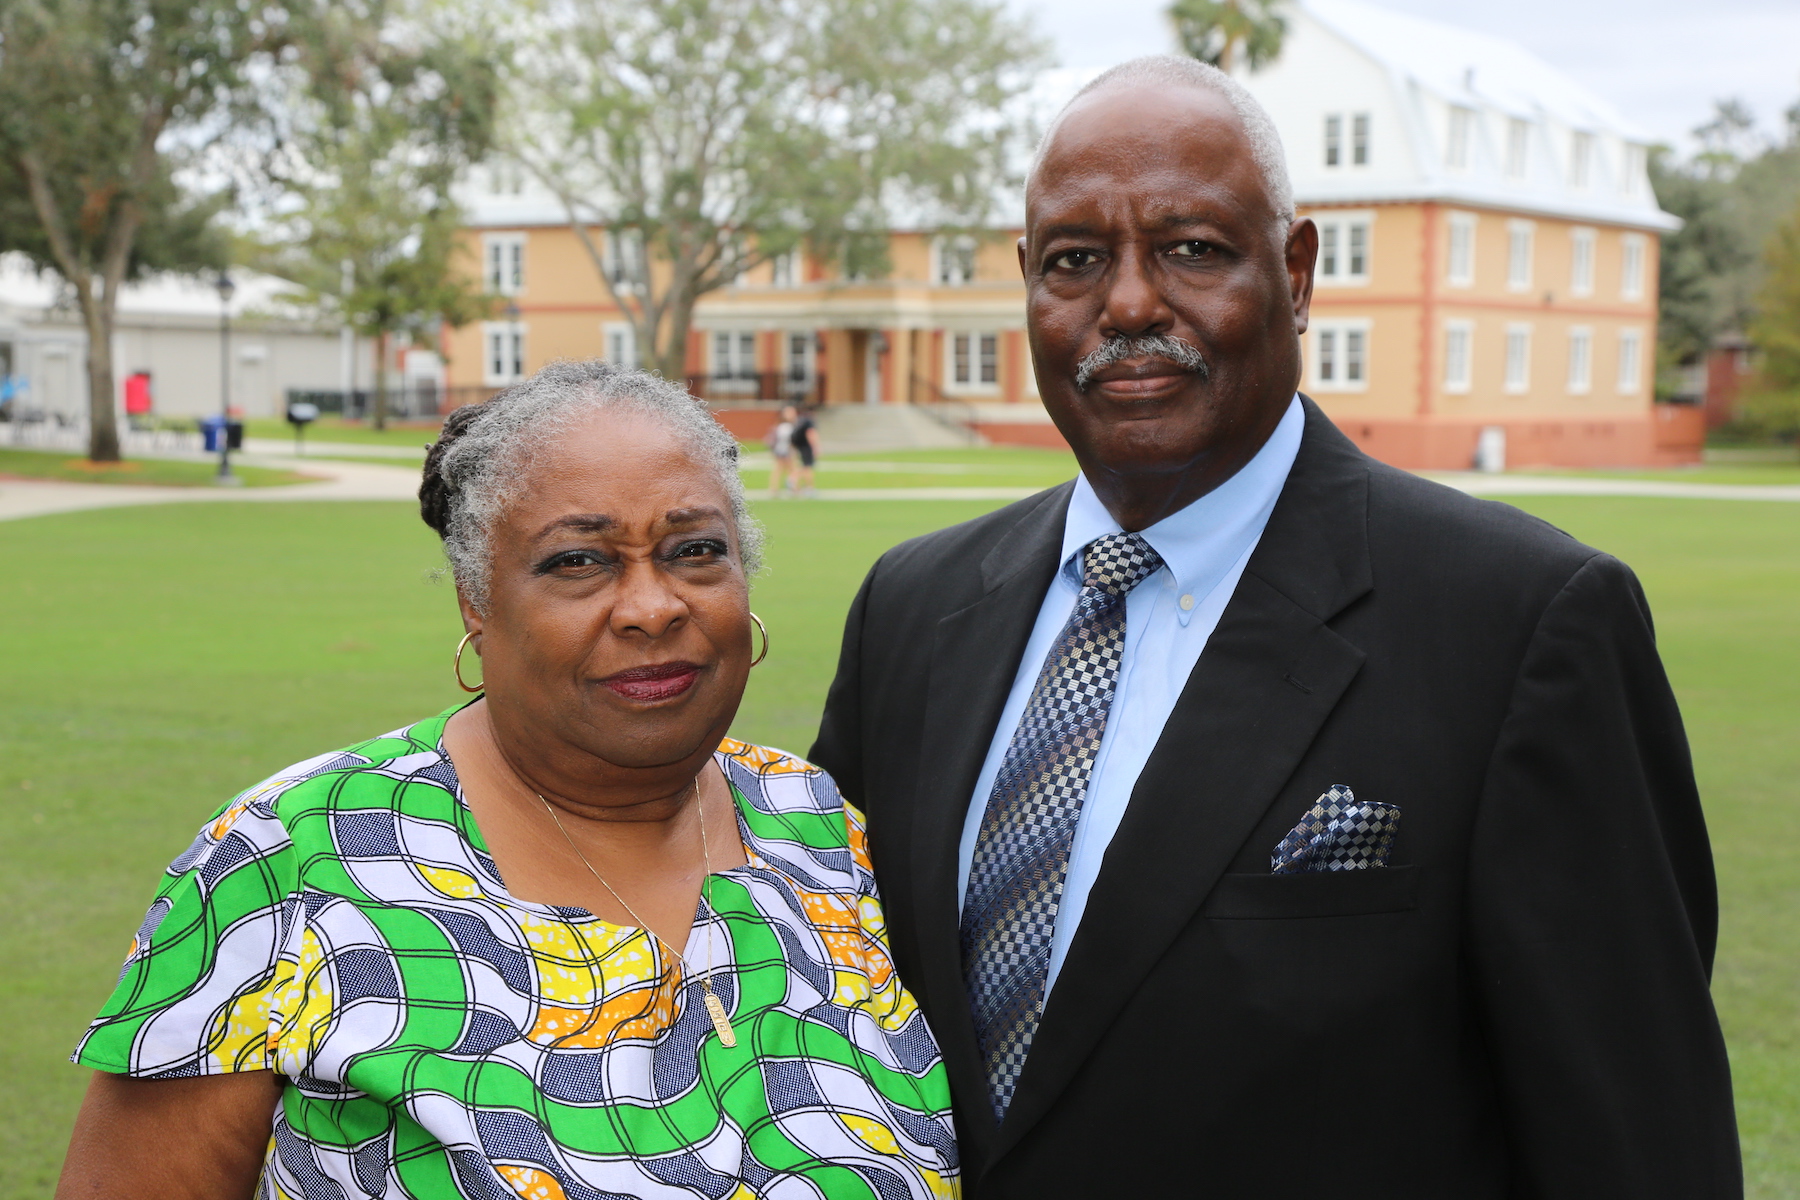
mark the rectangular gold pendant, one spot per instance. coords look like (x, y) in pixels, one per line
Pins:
(715, 1008)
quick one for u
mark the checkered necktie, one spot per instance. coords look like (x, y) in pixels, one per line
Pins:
(1022, 851)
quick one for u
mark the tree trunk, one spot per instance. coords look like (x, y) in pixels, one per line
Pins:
(379, 420)
(103, 424)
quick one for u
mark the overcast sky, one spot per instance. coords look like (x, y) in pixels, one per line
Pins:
(1663, 62)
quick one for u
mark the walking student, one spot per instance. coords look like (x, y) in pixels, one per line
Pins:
(781, 450)
(806, 449)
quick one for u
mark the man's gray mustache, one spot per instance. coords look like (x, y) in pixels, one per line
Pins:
(1157, 345)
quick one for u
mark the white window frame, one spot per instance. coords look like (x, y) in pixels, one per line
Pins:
(622, 258)
(1518, 148)
(800, 367)
(1338, 239)
(1459, 356)
(503, 263)
(1632, 257)
(1459, 139)
(1517, 379)
(619, 338)
(1581, 160)
(1581, 360)
(1462, 227)
(1334, 140)
(1360, 138)
(1582, 243)
(502, 352)
(953, 261)
(1520, 234)
(785, 270)
(1333, 345)
(731, 360)
(973, 347)
(1631, 361)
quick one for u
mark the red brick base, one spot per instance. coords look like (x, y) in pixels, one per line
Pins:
(1667, 436)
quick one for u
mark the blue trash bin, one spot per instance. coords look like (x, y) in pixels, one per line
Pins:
(214, 427)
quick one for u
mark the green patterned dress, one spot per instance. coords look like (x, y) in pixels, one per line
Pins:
(343, 925)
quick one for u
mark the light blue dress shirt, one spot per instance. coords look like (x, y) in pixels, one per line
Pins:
(1168, 618)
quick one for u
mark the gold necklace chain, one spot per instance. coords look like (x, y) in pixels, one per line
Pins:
(715, 1008)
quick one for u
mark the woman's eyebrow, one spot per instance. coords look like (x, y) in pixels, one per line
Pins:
(581, 522)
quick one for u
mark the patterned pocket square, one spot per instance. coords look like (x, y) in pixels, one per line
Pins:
(1339, 834)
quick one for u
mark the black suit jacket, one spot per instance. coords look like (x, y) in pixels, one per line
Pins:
(1517, 1007)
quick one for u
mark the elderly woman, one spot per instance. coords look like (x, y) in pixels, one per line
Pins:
(566, 941)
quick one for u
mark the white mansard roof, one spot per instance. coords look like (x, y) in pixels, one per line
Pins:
(1409, 75)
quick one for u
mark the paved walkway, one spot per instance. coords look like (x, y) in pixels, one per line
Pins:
(375, 481)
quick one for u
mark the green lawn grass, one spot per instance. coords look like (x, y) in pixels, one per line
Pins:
(155, 472)
(336, 429)
(165, 657)
(1739, 473)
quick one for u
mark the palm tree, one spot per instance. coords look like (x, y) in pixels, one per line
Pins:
(1215, 31)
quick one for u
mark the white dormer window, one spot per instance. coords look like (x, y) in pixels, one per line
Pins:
(1462, 250)
(1581, 262)
(1359, 140)
(1459, 146)
(1334, 140)
(1631, 269)
(503, 256)
(953, 261)
(1581, 161)
(1518, 148)
(1635, 167)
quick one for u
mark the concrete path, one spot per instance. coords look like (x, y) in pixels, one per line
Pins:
(376, 481)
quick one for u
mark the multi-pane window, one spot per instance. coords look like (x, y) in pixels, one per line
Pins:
(800, 357)
(1458, 336)
(733, 356)
(974, 360)
(1631, 268)
(784, 269)
(622, 258)
(1631, 360)
(503, 352)
(1340, 361)
(621, 344)
(1459, 146)
(1343, 249)
(955, 261)
(1581, 161)
(1518, 147)
(1337, 153)
(1518, 359)
(1462, 250)
(1581, 360)
(1520, 236)
(504, 265)
(1581, 262)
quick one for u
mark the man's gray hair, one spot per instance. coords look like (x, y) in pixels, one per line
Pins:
(486, 455)
(1170, 71)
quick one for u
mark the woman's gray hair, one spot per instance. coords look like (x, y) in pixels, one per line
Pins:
(484, 457)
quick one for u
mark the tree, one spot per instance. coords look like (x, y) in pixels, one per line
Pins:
(96, 99)
(398, 101)
(689, 141)
(1775, 330)
(1216, 31)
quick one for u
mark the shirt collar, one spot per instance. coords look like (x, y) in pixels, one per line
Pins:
(1202, 542)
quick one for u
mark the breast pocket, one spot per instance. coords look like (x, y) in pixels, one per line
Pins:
(1260, 897)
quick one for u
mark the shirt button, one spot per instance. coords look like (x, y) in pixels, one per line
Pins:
(1187, 603)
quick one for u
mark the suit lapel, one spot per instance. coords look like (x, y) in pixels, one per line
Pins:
(974, 658)
(1269, 677)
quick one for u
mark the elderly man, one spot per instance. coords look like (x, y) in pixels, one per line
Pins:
(1256, 820)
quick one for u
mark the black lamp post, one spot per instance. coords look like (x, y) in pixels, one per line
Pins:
(226, 289)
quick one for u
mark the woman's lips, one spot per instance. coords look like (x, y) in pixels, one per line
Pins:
(660, 681)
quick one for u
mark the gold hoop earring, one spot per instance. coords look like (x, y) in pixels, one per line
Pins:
(456, 665)
(765, 633)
